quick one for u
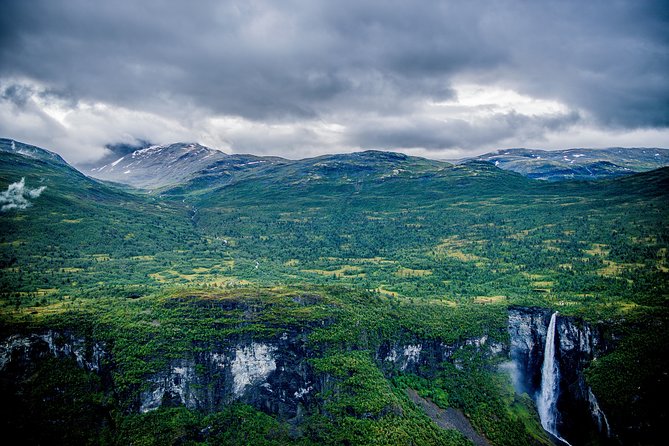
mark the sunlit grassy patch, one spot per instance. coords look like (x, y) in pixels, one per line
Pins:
(451, 247)
(542, 284)
(627, 306)
(465, 257)
(344, 271)
(16, 242)
(520, 235)
(597, 249)
(374, 260)
(489, 299)
(143, 258)
(71, 270)
(101, 257)
(227, 282)
(382, 290)
(615, 269)
(408, 272)
(42, 311)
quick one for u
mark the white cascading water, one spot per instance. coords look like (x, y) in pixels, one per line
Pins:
(550, 381)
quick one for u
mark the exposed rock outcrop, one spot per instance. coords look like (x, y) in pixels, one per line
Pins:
(275, 374)
(272, 374)
(18, 352)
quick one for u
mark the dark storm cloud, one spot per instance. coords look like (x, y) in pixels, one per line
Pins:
(243, 58)
(610, 58)
(308, 60)
(436, 135)
(17, 94)
(114, 152)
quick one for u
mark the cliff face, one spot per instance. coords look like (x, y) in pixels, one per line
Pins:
(527, 333)
(19, 352)
(273, 375)
(580, 417)
(423, 357)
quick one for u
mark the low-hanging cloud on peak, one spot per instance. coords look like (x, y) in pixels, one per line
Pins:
(17, 194)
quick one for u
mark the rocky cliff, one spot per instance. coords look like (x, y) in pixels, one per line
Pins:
(275, 374)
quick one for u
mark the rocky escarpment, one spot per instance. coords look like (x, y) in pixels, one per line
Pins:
(272, 374)
(423, 357)
(580, 416)
(20, 352)
(275, 373)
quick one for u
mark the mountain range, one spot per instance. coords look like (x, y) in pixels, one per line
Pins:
(158, 166)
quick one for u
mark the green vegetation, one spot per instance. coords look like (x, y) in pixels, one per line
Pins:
(355, 258)
(56, 400)
(632, 381)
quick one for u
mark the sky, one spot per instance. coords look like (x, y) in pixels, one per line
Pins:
(299, 78)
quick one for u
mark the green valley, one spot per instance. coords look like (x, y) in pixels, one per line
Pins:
(269, 301)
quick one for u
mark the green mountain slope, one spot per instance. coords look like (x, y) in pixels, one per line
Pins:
(79, 233)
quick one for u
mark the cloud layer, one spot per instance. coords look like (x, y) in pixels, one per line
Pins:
(16, 196)
(301, 77)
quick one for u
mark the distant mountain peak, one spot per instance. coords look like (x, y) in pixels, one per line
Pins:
(577, 163)
(158, 165)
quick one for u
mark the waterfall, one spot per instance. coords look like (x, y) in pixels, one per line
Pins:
(550, 381)
(598, 414)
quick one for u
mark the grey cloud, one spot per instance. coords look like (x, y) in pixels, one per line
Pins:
(18, 95)
(308, 61)
(610, 58)
(114, 152)
(258, 60)
(438, 135)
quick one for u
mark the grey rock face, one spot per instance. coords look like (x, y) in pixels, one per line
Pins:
(173, 387)
(272, 375)
(527, 332)
(19, 351)
(423, 357)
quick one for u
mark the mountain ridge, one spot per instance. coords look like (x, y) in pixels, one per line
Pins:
(12, 146)
(192, 165)
(577, 163)
(158, 165)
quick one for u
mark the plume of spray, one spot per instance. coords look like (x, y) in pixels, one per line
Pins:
(16, 196)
